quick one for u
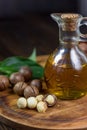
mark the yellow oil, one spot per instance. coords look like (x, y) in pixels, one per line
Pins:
(64, 81)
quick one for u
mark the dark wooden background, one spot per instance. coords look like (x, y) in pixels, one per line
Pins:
(18, 36)
(26, 24)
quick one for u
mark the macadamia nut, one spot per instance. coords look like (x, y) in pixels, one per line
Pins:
(22, 102)
(37, 83)
(30, 91)
(42, 106)
(31, 102)
(39, 97)
(4, 82)
(50, 99)
(26, 72)
(16, 77)
(19, 88)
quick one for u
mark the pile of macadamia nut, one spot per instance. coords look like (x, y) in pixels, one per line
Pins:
(28, 89)
(40, 102)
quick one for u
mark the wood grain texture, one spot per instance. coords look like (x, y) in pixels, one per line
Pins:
(65, 115)
(5, 127)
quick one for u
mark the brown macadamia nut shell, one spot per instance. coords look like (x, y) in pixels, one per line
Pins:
(37, 83)
(4, 82)
(16, 77)
(30, 91)
(26, 72)
(19, 88)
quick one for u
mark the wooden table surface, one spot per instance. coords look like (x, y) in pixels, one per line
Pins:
(65, 115)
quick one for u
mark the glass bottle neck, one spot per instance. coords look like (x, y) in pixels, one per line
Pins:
(68, 36)
(68, 27)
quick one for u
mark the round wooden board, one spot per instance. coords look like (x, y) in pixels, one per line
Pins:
(65, 115)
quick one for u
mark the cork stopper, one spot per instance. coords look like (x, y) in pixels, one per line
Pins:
(70, 21)
(69, 16)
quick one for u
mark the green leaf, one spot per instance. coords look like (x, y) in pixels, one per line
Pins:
(33, 55)
(13, 64)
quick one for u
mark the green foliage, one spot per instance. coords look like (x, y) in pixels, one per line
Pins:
(13, 64)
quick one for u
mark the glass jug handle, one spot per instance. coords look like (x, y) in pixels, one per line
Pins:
(83, 36)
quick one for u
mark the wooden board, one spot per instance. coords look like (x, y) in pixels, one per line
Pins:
(65, 115)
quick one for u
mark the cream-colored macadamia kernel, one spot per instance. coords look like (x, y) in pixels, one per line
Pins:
(31, 102)
(21, 102)
(41, 106)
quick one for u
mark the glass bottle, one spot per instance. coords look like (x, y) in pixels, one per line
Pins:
(66, 68)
